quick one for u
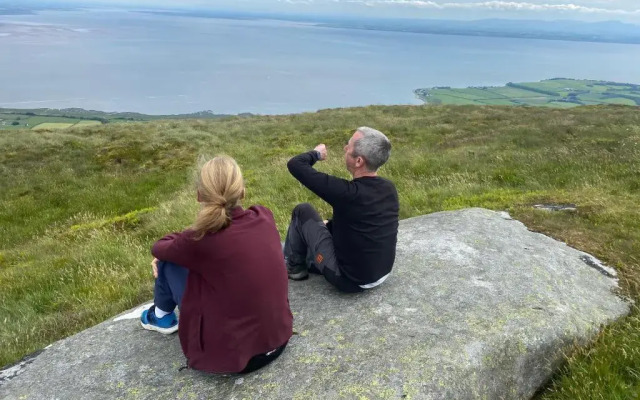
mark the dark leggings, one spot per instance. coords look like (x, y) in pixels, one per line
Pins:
(261, 360)
(169, 286)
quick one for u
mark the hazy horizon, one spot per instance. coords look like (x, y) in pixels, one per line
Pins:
(580, 10)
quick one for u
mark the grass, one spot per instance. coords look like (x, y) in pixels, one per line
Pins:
(595, 98)
(64, 125)
(36, 120)
(620, 100)
(80, 207)
(86, 123)
(14, 120)
(514, 93)
(52, 125)
(559, 104)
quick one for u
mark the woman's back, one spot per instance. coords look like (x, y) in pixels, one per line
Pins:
(235, 305)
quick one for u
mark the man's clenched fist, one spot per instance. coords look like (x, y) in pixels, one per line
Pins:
(322, 149)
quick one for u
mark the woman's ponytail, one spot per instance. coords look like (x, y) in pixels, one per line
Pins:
(220, 188)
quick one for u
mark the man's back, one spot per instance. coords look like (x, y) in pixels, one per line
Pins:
(365, 229)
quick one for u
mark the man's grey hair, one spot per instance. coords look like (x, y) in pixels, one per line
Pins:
(373, 146)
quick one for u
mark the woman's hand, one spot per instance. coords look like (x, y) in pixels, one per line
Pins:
(154, 267)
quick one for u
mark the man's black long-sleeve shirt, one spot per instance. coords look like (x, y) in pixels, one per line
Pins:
(365, 218)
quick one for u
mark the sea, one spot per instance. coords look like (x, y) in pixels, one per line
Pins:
(114, 60)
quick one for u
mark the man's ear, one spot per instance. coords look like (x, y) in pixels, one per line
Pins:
(359, 161)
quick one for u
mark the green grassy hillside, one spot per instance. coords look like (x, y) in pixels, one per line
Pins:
(52, 118)
(557, 92)
(80, 208)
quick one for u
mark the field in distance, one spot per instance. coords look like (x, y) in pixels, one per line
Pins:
(40, 122)
(52, 119)
(557, 92)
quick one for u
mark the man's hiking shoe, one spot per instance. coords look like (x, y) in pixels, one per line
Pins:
(297, 272)
(167, 324)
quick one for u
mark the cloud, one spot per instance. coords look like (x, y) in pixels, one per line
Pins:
(497, 5)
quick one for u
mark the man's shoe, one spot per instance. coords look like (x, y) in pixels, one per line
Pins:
(167, 324)
(297, 272)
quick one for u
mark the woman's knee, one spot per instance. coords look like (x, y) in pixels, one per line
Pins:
(170, 270)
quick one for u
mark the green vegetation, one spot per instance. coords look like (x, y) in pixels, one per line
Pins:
(28, 120)
(80, 208)
(557, 92)
(52, 125)
(50, 118)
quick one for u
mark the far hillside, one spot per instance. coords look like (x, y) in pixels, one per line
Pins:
(40, 122)
(558, 92)
(52, 118)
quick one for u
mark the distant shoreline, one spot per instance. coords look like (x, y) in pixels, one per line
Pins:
(555, 92)
(560, 30)
(574, 31)
(497, 34)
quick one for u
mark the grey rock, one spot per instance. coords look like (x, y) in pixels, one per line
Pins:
(13, 370)
(477, 307)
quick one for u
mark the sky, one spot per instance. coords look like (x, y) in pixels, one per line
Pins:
(587, 10)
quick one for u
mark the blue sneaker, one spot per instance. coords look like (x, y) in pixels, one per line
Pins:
(167, 324)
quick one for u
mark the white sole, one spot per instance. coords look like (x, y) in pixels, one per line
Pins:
(166, 331)
(300, 276)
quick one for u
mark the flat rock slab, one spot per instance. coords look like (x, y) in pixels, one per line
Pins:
(477, 307)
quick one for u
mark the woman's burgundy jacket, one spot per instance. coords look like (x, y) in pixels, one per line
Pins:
(235, 305)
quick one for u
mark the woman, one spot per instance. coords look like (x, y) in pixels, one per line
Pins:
(234, 315)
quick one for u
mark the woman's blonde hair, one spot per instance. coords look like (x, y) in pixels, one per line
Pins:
(220, 188)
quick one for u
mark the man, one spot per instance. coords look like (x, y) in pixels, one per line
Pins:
(356, 249)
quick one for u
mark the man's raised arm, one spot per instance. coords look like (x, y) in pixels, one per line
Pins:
(327, 187)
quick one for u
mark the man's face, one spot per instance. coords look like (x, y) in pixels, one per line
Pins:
(349, 159)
